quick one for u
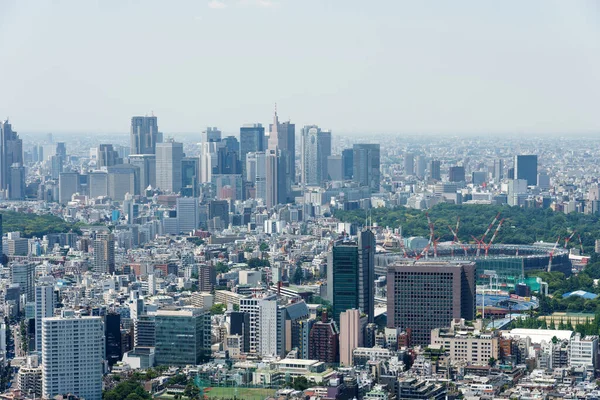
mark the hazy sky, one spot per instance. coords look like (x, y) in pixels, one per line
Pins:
(351, 66)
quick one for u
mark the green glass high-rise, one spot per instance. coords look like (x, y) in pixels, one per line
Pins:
(182, 336)
(350, 275)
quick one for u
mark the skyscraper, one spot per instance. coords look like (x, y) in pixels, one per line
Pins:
(348, 163)
(123, 179)
(98, 184)
(498, 169)
(456, 174)
(366, 166)
(278, 145)
(421, 165)
(422, 296)
(168, 166)
(16, 188)
(144, 135)
(409, 164)
(252, 140)
(44, 308)
(73, 354)
(112, 332)
(316, 147)
(350, 275)
(23, 273)
(68, 185)
(211, 134)
(435, 170)
(526, 168)
(104, 253)
(107, 156)
(287, 142)
(272, 162)
(147, 165)
(11, 152)
(188, 214)
(189, 175)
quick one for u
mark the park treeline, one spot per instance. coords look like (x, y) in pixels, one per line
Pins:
(520, 226)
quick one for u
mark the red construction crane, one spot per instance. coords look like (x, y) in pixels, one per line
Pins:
(487, 247)
(567, 240)
(481, 241)
(456, 240)
(552, 254)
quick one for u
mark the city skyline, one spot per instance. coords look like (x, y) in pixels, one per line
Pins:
(397, 68)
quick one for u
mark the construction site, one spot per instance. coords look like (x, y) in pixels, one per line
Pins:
(500, 267)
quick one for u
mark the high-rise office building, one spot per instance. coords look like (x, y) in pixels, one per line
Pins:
(98, 184)
(23, 273)
(189, 176)
(188, 213)
(421, 166)
(56, 166)
(220, 209)
(256, 169)
(168, 166)
(456, 174)
(211, 134)
(335, 169)
(11, 152)
(316, 147)
(498, 169)
(348, 163)
(286, 132)
(274, 188)
(350, 335)
(279, 145)
(252, 140)
(104, 253)
(16, 188)
(123, 179)
(425, 295)
(435, 170)
(112, 334)
(107, 156)
(182, 336)
(366, 171)
(351, 275)
(147, 165)
(68, 185)
(144, 135)
(409, 164)
(44, 308)
(526, 167)
(73, 354)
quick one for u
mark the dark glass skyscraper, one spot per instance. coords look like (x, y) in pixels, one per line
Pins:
(112, 331)
(11, 152)
(347, 163)
(526, 168)
(366, 169)
(456, 174)
(252, 139)
(144, 135)
(350, 275)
